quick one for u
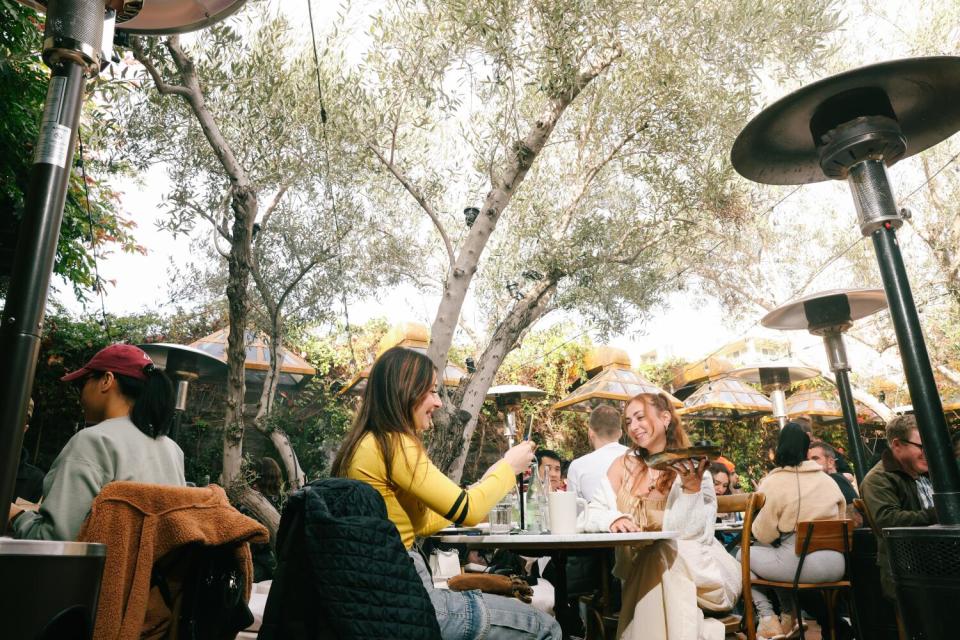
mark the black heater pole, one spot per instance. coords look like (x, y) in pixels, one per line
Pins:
(72, 41)
(879, 217)
(853, 428)
(837, 355)
(927, 407)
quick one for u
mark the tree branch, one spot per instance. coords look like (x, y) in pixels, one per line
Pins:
(272, 207)
(421, 200)
(163, 87)
(519, 161)
(194, 97)
(567, 216)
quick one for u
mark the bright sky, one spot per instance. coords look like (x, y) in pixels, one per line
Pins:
(678, 329)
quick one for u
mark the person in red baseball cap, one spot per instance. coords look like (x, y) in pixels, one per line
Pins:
(130, 404)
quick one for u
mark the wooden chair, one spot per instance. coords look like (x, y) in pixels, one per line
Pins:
(813, 535)
(749, 504)
(736, 503)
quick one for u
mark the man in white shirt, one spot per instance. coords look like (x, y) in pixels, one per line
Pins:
(585, 475)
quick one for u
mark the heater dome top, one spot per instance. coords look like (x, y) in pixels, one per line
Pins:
(160, 17)
(921, 94)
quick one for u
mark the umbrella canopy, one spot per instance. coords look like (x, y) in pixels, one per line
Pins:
(780, 373)
(709, 367)
(411, 335)
(725, 399)
(613, 384)
(826, 403)
(294, 370)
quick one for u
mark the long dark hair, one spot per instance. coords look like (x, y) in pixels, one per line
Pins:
(398, 381)
(153, 400)
(792, 446)
(717, 468)
(270, 477)
(676, 435)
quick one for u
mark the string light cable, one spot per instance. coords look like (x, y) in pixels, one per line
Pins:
(327, 181)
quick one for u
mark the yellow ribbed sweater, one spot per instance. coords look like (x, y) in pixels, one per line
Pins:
(421, 500)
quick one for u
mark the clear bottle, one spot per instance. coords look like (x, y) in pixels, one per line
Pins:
(537, 513)
(513, 498)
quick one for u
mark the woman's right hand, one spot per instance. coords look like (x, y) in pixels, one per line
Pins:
(520, 456)
(624, 524)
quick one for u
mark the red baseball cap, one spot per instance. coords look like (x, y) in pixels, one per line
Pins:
(125, 359)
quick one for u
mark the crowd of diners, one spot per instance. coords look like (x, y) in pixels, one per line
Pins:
(666, 585)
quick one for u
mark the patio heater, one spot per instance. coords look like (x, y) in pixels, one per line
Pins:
(829, 315)
(184, 365)
(508, 397)
(851, 126)
(774, 378)
(78, 36)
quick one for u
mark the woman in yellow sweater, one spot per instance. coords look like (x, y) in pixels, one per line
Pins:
(385, 450)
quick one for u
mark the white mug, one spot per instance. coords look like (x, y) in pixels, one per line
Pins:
(564, 509)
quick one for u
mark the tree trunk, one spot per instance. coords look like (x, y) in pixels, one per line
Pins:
(872, 402)
(452, 433)
(502, 189)
(244, 205)
(291, 466)
(272, 380)
(259, 506)
(949, 373)
(867, 399)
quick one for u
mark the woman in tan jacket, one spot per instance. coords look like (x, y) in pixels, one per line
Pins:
(796, 490)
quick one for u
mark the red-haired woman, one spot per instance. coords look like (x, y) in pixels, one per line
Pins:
(664, 583)
(385, 450)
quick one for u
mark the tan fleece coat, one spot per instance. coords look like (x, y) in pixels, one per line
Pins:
(796, 494)
(141, 523)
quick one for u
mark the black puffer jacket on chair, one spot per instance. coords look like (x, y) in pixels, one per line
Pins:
(343, 572)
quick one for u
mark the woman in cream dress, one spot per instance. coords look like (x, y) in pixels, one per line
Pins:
(666, 583)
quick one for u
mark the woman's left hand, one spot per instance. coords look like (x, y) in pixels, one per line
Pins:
(691, 473)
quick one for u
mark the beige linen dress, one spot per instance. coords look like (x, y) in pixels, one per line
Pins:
(664, 582)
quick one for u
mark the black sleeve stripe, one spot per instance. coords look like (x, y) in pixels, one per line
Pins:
(456, 505)
(463, 515)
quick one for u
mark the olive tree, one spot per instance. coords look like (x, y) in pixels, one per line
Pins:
(591, 137)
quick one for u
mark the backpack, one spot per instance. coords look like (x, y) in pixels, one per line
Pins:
(197, 593)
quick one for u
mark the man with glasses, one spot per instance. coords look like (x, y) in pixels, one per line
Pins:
(897, 491)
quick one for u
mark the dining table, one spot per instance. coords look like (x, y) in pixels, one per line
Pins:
(558, 547)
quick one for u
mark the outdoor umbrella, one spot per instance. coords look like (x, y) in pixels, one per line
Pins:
(615, 384)
(294, 370)
(410, 335)
(825, 403)
(725, 399)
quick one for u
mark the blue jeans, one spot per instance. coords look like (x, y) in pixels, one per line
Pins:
(474, 615)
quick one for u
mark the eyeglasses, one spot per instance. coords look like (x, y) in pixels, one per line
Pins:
(916, 444)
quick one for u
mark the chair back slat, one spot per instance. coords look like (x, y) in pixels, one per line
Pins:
(733, 503)
(754, 503)
(824, 535)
